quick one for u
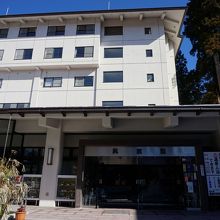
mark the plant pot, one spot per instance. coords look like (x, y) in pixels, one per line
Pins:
(20, 215)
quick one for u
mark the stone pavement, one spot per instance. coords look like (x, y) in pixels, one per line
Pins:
(59, 213)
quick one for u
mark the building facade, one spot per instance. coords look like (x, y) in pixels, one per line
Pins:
(89, 100)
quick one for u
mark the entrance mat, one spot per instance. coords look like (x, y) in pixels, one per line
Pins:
(116, 212)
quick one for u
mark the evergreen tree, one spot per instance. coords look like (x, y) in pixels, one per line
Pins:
(202, 26)
(189, 82)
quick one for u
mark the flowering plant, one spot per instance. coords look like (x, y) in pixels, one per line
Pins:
(11, 190)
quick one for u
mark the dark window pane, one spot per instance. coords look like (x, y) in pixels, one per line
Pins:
(88, 81)
(1, 54)
(149, 53)
(85, 29)
(79, 52)
(57, 52)
(4, 33)
(48, 82)
(113, 76)
(27, 32)
(27, 54)
(112, 103)
(150, 77)
(113, 52)
(56, 31)
(114, 30)
(7, 105)
(147, 30)
(1, 80)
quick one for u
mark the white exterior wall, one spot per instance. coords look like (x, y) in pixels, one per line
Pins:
(26, 86)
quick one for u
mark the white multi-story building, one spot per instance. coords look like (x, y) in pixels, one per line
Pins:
(90, 102)
(124, 58)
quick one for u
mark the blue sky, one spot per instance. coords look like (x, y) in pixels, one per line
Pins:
(34, 6)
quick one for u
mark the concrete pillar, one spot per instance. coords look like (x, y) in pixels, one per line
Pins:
(48, 188)
(80, 178)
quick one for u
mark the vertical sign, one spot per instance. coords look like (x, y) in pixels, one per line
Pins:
(212, 168)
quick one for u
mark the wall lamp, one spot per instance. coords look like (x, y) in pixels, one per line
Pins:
(50, 156)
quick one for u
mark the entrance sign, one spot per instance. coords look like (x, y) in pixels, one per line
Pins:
(212, 168)
(142, 151)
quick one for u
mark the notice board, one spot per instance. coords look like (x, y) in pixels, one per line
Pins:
(212, 169)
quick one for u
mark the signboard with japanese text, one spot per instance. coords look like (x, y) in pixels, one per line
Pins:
(212, 168)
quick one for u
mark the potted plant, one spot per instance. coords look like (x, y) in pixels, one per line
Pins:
(21, 213)
(11, 190)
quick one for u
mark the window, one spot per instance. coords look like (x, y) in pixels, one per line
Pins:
(53, 82)
(113, 52)
(83, 81)
(150, 77)
(56, 31)
(85, 29)
(33, 159)
(112, 103)
(23, 105)
(27, 32)
(69, 162)
(1, 54)
(149, 53)
(23, 54)
(147, 30)
(114, 30)
(53, 53)
(1, 80)
(4, 33)
(15, 105)
(112, 76)
(84, 52)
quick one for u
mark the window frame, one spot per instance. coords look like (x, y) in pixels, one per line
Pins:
(4, 35)
(24, 56)
(150, 74)
(113, 48)
(119, 30)
(56, 32)
(84, 48)
(53, 53)
(86, 31)
(2, 51)
(52, 83)
(116, 106)
(28, 32)
(151, 53)
(112, 72)
(84, 80)
(16, 105)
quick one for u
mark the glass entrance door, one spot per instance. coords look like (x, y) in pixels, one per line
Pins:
(134, 182)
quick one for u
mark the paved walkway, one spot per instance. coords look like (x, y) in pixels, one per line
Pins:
(58, 213)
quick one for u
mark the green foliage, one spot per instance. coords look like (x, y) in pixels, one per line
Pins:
(10, 191)
(202, 27)
(189, 84)
(194, 86)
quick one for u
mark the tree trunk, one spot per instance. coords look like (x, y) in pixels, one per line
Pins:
(217, 67)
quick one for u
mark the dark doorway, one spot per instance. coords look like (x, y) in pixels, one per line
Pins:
(134, 182)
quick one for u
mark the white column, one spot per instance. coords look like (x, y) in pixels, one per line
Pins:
(48, 188)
